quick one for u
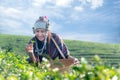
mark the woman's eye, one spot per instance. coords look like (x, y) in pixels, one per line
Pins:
(42, 31)
(37, 31)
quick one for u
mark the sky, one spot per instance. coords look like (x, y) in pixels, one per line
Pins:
(84, 20)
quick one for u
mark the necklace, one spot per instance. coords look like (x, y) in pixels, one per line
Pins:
(40, 51)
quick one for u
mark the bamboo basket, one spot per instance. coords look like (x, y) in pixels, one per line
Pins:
(63, 64)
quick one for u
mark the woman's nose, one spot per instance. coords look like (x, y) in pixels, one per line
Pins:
(39, 34)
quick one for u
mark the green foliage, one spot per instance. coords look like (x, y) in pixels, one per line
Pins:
(13, 43)
(15, 67)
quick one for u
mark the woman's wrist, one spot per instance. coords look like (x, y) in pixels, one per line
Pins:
(76, 61)
(30, 52)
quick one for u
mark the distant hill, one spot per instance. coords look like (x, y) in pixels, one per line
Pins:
(17, 43)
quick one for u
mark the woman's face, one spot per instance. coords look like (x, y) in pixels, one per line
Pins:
(40, 34)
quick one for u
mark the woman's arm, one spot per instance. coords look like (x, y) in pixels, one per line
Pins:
(65, 50)
(29, 50)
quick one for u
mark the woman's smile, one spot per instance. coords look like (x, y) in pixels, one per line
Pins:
(40, 34)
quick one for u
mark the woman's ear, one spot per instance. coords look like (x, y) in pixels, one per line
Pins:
(47, 26)
(33, 30)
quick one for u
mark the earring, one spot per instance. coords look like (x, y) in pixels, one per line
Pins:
(33, 30)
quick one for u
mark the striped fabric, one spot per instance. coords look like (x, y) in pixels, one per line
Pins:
(51, 49)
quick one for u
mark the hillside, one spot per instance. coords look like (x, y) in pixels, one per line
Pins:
(16, 43)
(13, 43)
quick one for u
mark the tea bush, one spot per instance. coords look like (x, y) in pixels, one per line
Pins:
(15, 67)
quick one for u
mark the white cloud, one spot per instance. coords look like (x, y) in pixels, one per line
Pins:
(88, 0)
(79, 8)
(93, 4)
(13, 21)
(63, 3)
(13, 27)
(98, 37)
(84, 37)
(9, 12)
(40, 3)
(96, 3)
(9, 17)
(55, 3)
(55, 27)
(10, 24)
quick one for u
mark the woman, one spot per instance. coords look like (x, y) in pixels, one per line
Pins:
(45, 42)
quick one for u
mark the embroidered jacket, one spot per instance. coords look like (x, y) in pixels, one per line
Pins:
(50, 48)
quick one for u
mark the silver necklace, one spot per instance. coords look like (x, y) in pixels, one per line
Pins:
(40, 51)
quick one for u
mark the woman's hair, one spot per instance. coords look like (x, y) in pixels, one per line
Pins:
(49, 36)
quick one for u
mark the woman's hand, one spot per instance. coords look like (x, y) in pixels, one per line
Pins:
(29, 48)
(75, 60)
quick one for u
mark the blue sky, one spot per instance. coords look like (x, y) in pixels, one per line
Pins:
(85, 20)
